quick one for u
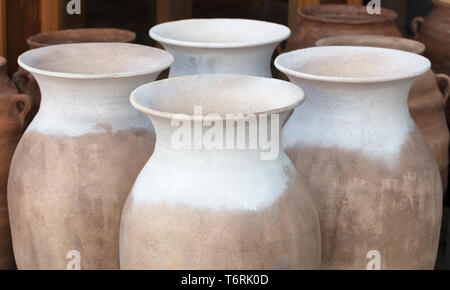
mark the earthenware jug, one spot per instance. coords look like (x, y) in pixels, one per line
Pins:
(13, 111)
(77, 161)
(220, 46)
(426, 101)
(374, 179)
(219, 200)
(327, 20)
(434, 32)
(25, 81)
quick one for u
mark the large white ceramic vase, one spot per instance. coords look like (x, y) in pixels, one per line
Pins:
(372, 175)
(220, 46)
(211, 205)
(77, 161)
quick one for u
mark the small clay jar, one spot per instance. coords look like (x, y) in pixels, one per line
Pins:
(435, 34)
(322, 21)
(13, 111)
(25, 81)
(426, 101)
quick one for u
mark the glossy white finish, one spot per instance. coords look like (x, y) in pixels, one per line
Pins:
(86, 87)
(220, 46)
(357, 98)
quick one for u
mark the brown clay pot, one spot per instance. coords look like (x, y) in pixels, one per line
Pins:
(426, 101)
(13, 111)
(435, 34)
(80, 36)
(330, 20)
(25, 81)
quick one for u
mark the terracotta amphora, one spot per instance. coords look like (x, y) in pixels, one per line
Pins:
(426, 101)
(77, 161)
(220, 46)
(215, 201)
(434, 32)
(317, 22)
(13, 111)
(25, 81)
(374, 179)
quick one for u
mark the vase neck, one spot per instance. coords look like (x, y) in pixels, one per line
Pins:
(257, 138)
(367, 117)
(84, 106)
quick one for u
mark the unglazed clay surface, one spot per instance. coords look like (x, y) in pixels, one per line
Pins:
(220, 46)
(426, 102)
(373, 178)
(78, 159)
(218, 209)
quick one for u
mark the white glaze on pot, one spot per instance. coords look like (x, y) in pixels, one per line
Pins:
(374, 179)
(220, 46)
(190, 208)
(77, 161)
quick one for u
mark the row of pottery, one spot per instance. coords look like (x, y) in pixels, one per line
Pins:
(14, 108)
(76, 163)
(426, 101)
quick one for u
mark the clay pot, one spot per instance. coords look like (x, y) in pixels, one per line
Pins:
(13, 110)
(435, 34)
(77, 161)
(215, 46)
(426, 101)
(80, 36)
(25, 82)
(374, 179)
(322, 21)
(206, 207)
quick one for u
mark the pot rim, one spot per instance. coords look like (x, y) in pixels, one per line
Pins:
(36, 40)
(442, 4)
(347, 40)
(152, 52)
(283, 34)
(387, 15)
(212, 80)
(331, 51)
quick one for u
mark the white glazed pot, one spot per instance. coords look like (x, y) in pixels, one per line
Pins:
(374, 179)
(77, 161)
(220, 46)
(220, 208)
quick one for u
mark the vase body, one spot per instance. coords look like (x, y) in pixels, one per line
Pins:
(220, 46)
(373, 177)
(224, 209)
(13, 110)
(322, 21)
(426, 101)
(78, 159)
(435, 34)
(25, 81)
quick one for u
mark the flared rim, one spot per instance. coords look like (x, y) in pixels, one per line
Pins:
(319, 13)
(416, 64)
(294, 95)
(157, 33)
(35, 60)
(81, 35)
(381, 41)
